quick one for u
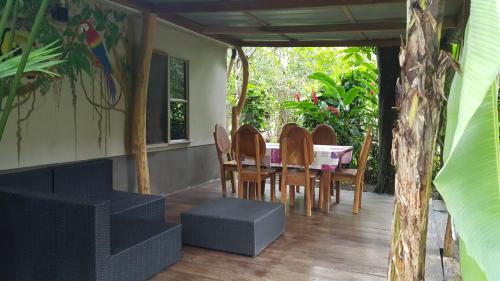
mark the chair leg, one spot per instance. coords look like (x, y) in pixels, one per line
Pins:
(320, 196)
(233, 186)
(337, 192)
(361, 193)
(258, 190)
(292, 196)
(297, 189)
(313, 192)
(223, 181)
(355, 205)
(307, 194)
(273, 188)
(263, 189)
(240, 189)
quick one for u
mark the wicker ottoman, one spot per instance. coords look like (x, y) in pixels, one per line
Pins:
(233, 225)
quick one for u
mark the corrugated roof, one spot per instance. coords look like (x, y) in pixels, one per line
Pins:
(294, 22)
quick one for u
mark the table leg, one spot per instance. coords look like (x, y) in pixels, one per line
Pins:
(325, 185)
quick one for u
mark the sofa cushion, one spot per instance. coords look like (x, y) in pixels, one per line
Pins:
(138, 205)
(39, 180)
(238, 226)
(89, 178)
(158, 245)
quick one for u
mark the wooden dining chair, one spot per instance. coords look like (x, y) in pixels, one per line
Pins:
(296, 148)
(249, 143)
(226, 164)
(357, 176)
(293, 189)
(324, 135)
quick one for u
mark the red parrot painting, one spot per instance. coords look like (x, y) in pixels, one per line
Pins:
(97, 47)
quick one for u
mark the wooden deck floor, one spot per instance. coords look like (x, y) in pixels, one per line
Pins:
(337, 246)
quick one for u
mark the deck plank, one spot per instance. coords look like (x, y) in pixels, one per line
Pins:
(334, 246)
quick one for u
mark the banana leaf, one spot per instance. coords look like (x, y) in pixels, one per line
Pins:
(39, 60)
(470, 178)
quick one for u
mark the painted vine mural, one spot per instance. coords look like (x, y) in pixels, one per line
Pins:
(96, 54)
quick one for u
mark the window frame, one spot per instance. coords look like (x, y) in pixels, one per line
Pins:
(186, 101)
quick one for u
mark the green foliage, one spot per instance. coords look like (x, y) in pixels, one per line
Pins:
(344, 81)
(347, 102)
(74, 50)
(469, 182)
(257, 109)
(40, 60)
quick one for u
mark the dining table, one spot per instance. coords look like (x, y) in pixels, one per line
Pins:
(327, 158)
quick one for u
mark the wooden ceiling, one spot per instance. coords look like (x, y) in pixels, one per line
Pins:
(295, 23)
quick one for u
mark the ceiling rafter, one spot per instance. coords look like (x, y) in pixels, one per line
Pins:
(328, 28)
(323, 43)
(254, 5)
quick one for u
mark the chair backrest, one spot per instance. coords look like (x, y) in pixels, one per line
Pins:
(285, 128)
(249, 143)
(365, 152)
(222, 141)
(324, 134)
(296, 147)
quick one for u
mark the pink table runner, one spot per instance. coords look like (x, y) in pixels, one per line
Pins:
(326, 157)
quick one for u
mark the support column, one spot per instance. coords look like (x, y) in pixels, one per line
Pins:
(389, 70)
(420, 101)
(140, 102)
(236, 111)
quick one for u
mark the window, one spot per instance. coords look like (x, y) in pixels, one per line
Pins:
(168, 103)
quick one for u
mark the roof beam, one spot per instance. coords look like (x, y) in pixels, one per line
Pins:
(323, 43)
(254, 5)
(194, 27)
(329, 28)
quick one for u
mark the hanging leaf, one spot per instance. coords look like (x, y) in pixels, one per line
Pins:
(470, 179)
(350, 96)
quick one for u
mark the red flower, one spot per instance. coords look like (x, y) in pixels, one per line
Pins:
(297, 96)
(333, 110)
(314, 97)
(372, 92)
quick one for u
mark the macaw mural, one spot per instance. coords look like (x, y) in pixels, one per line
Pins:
(95, 49)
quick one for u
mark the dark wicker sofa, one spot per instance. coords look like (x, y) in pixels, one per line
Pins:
(66, 223)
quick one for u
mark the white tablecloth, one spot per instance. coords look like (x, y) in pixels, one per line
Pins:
(326, 157)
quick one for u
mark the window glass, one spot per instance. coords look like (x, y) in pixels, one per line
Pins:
(178, 120)
(178, 79)
(156, 119)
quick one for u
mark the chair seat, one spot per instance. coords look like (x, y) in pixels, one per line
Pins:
(230, 165)
(347, 174)
(263, 170)
(293, 172)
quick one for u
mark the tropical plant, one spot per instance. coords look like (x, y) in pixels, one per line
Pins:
(347, 102)
(257, 109)
(17, 65)
(470, 179)
(40, 60)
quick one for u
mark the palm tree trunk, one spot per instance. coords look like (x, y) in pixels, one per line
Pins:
(420, 101)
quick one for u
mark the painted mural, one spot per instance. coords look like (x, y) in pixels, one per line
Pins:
(97, 56)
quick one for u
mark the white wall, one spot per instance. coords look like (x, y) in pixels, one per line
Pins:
(207, 78)
(50, 135)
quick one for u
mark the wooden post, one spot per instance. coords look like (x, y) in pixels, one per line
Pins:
(140, 102)
(420, 102)
(236, 111)
(231, 63)
(389, 70)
